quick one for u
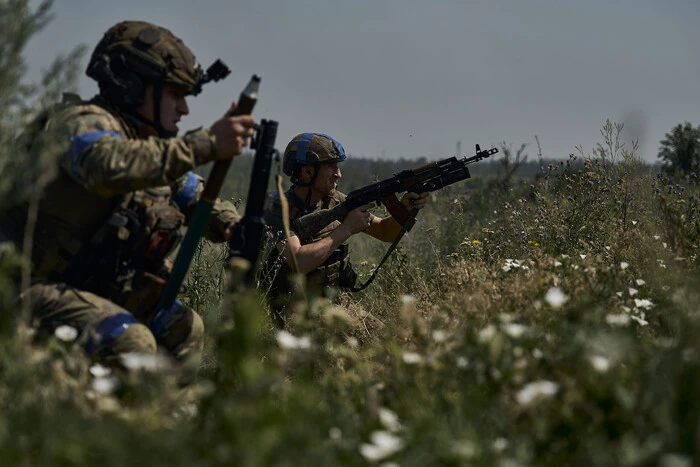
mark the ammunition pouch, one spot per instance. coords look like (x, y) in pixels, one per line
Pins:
(126, 260)
(336, 271)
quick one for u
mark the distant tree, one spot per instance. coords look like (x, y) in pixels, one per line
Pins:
(680, 150)
(22, 102)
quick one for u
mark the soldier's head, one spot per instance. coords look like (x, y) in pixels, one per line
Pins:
(147, 71)
(311, 159)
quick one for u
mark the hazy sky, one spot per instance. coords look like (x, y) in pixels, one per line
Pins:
(407, 78)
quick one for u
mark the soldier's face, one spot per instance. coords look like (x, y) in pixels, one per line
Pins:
(173, 105)
(327, 179)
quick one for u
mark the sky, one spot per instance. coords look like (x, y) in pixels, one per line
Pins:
(409, 79)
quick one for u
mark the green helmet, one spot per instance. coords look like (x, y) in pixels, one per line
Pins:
(133, 54)
(310, 149)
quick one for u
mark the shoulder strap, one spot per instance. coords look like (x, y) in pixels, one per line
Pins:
(408, 225)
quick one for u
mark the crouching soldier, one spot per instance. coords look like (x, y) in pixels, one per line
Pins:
(311, 160)
(123, 190)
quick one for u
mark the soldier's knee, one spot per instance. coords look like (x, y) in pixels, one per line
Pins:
(180, 330)
(136, 339)
(117, 335)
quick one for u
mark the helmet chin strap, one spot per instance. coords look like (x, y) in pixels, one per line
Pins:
(300, 183)
(155, 123)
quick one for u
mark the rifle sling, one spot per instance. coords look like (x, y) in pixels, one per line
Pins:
(408, 225)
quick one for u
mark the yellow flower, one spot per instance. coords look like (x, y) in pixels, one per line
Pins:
(475, 242)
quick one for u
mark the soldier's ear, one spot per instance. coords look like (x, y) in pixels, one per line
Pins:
(307, 171)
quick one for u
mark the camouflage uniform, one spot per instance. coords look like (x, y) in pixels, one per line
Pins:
(105, 226)
(336, 273)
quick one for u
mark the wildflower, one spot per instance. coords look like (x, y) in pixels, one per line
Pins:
(439, 336)
(389, 419)
(607, 247)
(412, 358)
(407, 300)
(617, 319)
(656, 237)
(640, 320)
(583, 256)
(514, 330)
(506, 317)
(289, 342)
(633, 292)
(640, 282)
(141, 361)
(634, 222)
(335, 433)
(383, 445)
(643, 303)
(486, 334)
(475, 242)
(105, 385)
(465, 449)
(555, 297)
(557, 264)
(619, 294)
(462, 363)
(499, 445)
(537, 354)
(600, 364)
(664, 245)
(535, 391)
(66, 333)
(624, 265)
(99, 371)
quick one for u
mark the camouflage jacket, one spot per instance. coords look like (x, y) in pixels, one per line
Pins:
(335, 271)
(105, 160)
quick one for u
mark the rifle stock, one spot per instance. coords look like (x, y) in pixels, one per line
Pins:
(428, 177)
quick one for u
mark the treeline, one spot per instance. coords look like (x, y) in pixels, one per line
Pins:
(359, 172)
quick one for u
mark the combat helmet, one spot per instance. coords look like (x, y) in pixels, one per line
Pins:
(133, 54)
(310, 149)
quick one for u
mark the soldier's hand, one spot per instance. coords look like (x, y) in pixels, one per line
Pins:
(232, 133)
(358, 219)
(414, 201)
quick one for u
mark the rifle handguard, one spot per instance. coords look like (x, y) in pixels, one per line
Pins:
(396, 208)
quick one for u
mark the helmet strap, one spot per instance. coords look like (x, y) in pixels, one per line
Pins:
(157, 98)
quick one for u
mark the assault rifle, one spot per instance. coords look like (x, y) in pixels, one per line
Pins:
(247, 233)
(428, 177)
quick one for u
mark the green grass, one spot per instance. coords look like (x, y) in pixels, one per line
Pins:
(459, 353)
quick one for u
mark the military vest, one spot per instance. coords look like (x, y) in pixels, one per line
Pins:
(336, 271)
(111, 246)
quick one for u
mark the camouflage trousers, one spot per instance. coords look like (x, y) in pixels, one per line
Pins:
(108, 330)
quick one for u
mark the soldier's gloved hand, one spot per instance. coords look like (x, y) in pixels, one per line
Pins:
(232, 133)
(414, 201)
(358, 219)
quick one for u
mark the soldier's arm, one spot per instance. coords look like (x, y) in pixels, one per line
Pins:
(388, 228)
(187, 191)
(105, 162)
(311, 256)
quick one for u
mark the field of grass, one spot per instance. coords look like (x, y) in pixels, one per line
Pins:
(550, 321)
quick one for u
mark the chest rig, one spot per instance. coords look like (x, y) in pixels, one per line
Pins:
(336, 271)
(129, 251)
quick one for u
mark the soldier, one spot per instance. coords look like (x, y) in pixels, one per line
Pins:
(311, 161)
(123, 190)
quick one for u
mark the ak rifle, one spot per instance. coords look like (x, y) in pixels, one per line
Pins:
(432, 176)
